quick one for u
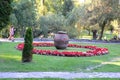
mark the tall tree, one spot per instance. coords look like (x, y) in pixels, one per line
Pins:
(67, 7)
(54, 6)
(104, 11)
(99, 12)
(25, 15)
(52, 22)
(5, 11)
(40, 7)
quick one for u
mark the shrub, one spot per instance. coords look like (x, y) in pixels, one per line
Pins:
(27, 50)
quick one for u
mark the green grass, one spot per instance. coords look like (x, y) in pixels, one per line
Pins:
(10, 60)
(108, 36)
(98, 79)
(67, 49)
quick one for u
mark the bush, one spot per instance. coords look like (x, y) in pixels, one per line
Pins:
(27, 51)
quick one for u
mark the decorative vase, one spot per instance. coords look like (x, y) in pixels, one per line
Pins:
(61, 40)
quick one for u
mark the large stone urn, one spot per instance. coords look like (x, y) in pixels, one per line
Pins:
(61, 40)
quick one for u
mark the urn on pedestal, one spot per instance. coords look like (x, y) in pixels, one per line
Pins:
(61, 40)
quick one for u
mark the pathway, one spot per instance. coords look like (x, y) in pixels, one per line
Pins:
(50, 40)
(65, 75)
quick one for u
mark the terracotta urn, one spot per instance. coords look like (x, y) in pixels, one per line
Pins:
(61, 40)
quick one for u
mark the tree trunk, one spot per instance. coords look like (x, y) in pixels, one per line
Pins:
(89, 31)
(94, 34)
(42, 6)
(102, 30)
(42, 2)
(22, 32)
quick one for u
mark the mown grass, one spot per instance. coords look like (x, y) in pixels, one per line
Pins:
(67, 49)
(10, 60)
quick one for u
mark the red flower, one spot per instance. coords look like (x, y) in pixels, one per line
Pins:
(94, 50)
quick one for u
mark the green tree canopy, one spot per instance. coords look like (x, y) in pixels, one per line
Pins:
(5, 11)
(99, 12)
(67, 7)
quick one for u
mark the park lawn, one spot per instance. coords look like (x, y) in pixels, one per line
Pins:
(10, 60)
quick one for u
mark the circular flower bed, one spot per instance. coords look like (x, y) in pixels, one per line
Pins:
(93, 50)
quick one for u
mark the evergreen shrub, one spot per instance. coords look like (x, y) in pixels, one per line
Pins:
(27, 51)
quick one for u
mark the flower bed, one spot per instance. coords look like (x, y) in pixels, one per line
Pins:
(93, 50)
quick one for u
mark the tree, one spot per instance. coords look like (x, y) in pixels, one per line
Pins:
(28, 47)
(52, 23)
(25, 15)
(67, 7)
(99, 12)
(5, 11)
(54, 6)
(40, 7)
(104, 12)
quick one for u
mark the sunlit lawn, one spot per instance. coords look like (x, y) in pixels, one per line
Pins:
(10, 60)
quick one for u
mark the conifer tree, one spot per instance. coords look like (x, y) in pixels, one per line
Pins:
(28, 47)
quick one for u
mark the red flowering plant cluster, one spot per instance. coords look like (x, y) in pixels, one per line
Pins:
(93, 50)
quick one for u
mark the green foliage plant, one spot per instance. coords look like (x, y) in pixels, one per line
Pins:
(5, 11)
(52, 23)
(67, 7)
(27, 51)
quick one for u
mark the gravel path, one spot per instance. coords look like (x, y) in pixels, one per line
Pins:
(51, 40)
(65, 75)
